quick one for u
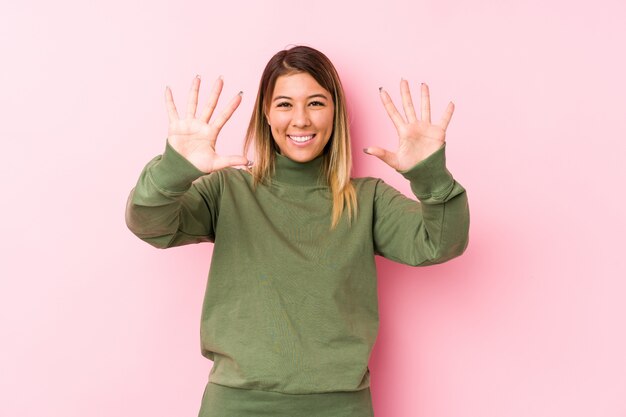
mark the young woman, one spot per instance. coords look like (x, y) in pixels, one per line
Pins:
(290, 314)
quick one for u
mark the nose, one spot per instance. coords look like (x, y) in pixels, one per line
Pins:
(300, 117)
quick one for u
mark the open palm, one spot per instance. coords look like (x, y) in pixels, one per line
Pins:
(194, 137)
(418, 139)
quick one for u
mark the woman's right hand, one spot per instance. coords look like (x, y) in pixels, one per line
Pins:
(194, 136)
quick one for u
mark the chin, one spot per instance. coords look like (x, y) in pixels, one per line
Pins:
(302, 156)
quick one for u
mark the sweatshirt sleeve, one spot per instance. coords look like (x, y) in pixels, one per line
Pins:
(168, 207)
(428, 232)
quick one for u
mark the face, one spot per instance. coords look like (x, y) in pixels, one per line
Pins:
(300, 115)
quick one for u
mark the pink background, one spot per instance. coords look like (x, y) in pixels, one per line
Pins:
(529, 322)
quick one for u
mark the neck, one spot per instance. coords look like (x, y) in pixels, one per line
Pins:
(299, 173)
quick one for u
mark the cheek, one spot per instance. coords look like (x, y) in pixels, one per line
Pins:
(328, 122)
(277, 123)
(275, 133)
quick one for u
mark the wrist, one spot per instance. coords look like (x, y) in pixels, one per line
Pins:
(429, 177)
(174, 172)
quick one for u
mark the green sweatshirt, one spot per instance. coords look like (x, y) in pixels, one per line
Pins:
(290, 305)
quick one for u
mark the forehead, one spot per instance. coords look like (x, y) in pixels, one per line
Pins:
(298, 85)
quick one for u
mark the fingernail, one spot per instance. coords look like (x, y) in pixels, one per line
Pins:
(198, 76)
(220, 78)
(241, 93)
(380, 89)
(365, 150)
(250, 163)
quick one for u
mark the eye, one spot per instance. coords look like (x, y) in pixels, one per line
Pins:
(283, 104)
(316, 103)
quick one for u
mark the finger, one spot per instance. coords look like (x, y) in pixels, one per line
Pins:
(384, 155)
(447, 115)
(236, 160)
(407, 101)
(393, 113)
(221, 120)
(207, 111)
(425, 103)
(172, 114)
(192, 102)
(222, 162)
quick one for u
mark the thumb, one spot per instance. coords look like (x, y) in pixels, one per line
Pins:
(236, 160)
(384, 155)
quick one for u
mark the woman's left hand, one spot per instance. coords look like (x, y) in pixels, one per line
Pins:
(418, 138)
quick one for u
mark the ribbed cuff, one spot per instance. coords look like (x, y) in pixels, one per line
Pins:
(173, 172)
(430, 179)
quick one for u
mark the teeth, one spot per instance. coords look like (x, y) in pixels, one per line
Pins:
(301, 139)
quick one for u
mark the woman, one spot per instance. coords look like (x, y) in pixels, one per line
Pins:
(290, 314)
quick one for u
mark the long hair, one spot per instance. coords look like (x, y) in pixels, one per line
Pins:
(337, 160)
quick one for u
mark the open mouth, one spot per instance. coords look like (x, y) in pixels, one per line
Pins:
(301, 138)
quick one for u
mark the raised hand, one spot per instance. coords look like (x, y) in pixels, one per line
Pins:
(194, 137)
(418, 138)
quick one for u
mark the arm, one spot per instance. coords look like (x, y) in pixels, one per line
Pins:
(436, 229)
(165, 209)
(425, 233)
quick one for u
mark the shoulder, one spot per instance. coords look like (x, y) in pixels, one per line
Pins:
(367, 182)
(366, 187)
(372, 188)
(364, 181)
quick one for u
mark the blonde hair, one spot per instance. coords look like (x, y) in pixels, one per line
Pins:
(337, 160)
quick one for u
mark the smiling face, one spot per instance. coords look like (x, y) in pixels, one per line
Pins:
(300, 114)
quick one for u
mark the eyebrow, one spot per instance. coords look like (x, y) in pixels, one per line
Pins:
(313, 96)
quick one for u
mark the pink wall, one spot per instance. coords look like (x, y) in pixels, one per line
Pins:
(529, 322)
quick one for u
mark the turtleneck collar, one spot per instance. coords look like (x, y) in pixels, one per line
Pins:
(299, 173)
